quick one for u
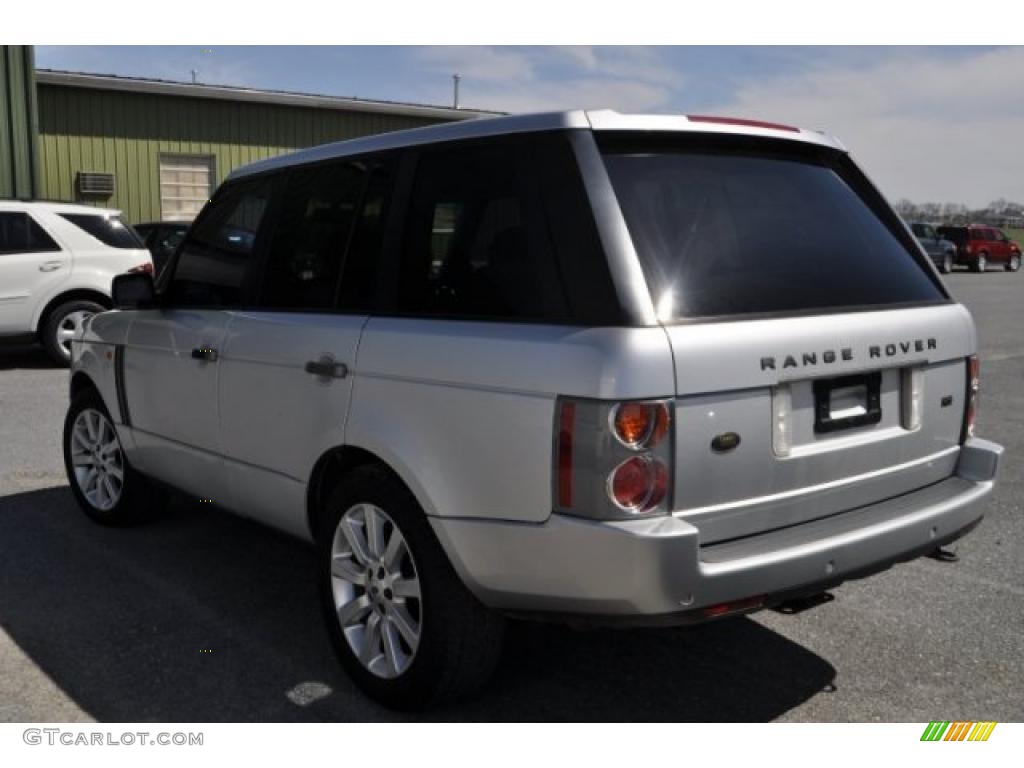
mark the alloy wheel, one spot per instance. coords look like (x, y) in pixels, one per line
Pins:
(97, 459)
(376, 590)
(69, 327)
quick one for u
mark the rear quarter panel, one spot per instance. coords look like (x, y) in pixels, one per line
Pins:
(464, 412)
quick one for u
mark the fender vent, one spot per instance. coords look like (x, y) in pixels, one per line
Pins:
(95, 183)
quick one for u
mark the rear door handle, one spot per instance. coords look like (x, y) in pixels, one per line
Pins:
(50, 266)
(326, 368)
(205, 354)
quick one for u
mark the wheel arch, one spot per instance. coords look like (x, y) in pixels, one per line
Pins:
(76, 294)
(330, 467)
(82, 382)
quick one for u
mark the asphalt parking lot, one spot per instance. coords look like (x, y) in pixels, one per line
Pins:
(112, 625)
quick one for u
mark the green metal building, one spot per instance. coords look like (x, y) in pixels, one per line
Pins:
(157, 149)
(18, 157)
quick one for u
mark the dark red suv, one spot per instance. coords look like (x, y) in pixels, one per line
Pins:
(977, 246)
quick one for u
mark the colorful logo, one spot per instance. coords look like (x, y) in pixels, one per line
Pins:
(958, 731)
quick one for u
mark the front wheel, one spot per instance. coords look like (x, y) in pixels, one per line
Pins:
(404, 626)
(947, 264)
(104, 484)
(1014, 263)
(63, 324)
(981, 262)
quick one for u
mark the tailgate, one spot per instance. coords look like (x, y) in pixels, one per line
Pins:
(832, 412)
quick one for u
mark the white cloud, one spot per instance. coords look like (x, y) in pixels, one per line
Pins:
(556, 78)
(925, 126)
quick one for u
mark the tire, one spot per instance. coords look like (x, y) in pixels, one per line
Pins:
(111, 501)
(981, 262)
(61, 324)
(947, 264)
(444, 644)
(1014, 263)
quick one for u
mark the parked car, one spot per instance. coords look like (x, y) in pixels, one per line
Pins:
(942, 252)
(161, 238)
(586, 366)
(56, 264)
(978, 246)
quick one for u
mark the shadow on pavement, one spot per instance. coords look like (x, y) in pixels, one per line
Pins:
(24, 357)
(202, 616)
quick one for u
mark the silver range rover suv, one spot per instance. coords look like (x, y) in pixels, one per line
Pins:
(576, 366)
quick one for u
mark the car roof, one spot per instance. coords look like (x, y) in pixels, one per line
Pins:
(56, 207)
(595, 120)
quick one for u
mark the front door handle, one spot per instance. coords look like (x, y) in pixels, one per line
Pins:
(327, 368)
(50, 266)
(205, 354)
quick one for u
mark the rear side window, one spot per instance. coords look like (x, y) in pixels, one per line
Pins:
(19, 233)
(311, 233)
(109, 230)
(745, 231)
(214, 261)
(476, 245)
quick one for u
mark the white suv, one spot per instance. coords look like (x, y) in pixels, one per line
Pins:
(56, 264)
(578, 366)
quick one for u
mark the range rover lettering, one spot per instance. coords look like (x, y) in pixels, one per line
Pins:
(584, 366)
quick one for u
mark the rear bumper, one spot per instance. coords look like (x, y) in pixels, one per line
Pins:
(656, 570)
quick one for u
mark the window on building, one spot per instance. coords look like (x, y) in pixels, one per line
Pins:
(19, 233)
(186, 184)
(476, 247)
(109, 230)
(311, 234)
(214, 261)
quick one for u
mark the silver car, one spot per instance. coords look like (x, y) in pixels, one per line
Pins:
(582, 366)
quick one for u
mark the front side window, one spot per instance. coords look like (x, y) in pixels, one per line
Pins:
(312, 231)
(109, 230)
(475, 246)
(727, 229)
(19, 233)
(214, 261)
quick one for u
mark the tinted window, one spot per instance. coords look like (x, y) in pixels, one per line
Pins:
(310, 235)
(741, 232)
(363, 258)
(475, 245)
(19, 233)
(956, 235)
(214, 260)
(919, 230)
(109, 230)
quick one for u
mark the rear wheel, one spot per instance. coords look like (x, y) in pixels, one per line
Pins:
(981, 262)
(947, 264)
(1014, 263)
(404, 626)
(104, 484)
(63, 324)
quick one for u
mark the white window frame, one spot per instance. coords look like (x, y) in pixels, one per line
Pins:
(192, 200)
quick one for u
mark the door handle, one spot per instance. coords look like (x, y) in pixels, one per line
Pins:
(50, 266)
(326, 368)
(205, 354)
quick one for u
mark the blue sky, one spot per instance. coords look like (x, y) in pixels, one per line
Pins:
(931, 124)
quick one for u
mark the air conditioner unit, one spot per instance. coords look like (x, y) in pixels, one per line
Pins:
(95, 183)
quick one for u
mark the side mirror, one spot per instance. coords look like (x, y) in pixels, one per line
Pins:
(133, 290)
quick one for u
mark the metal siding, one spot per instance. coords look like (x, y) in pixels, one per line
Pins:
(19, 153)
(125, 133)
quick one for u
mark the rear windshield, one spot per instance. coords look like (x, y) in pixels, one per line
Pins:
(727, 231)
(109, 230)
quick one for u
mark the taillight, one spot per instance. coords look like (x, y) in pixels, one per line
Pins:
(613, 460)
(147, 268)
(971, 397)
